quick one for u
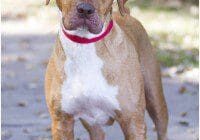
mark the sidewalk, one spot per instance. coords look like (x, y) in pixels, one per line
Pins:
(24, 112)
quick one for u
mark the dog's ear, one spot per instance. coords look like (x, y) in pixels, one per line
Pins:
(123, 10)
(47, 2)
(58, 2)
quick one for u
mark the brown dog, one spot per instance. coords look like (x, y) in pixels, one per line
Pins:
(103, 68)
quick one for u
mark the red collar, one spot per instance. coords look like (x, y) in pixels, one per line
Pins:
(83, 40)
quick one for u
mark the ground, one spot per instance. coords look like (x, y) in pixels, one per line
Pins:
(27, 43)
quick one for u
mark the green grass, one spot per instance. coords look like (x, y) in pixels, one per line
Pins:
(173, 31)
(175, 58)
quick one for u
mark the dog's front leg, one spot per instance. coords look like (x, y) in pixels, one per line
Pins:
(133, 126)
(63, 128)
(131, 117)
(95, 132)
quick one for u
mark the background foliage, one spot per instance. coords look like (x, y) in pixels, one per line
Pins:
(173, 28)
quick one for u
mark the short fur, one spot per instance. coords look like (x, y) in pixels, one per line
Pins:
(132, 83)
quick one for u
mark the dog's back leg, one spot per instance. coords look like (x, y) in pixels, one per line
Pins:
(155, 101)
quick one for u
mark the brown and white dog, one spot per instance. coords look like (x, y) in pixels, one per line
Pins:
(103, 69)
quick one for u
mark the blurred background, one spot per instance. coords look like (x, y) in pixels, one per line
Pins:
(28, 34)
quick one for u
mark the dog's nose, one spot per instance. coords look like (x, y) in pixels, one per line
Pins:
(85, 9)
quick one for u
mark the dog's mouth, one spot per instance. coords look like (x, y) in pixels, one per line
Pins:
(84, 17)
(93, 25)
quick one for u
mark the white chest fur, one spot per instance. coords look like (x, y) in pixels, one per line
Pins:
(85, 92)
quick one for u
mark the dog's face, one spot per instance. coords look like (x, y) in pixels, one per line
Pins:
(86, 14)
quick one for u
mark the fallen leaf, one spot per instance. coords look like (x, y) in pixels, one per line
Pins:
(184, 123)
(45, 62)
(25, 130)
(21, 59)
(183, 114)
(22, 104)
(182, 89)
(180, 69)
(44, 115)
(48, 128)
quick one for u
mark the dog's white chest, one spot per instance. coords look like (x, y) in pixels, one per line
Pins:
(85, 92)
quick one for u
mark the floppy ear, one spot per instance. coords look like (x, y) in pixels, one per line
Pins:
(123, 10)
(47, 2)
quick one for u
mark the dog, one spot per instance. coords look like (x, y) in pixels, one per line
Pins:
(103, 69)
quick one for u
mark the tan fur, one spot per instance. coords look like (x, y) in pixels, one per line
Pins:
(130, 63)
(122, 68)
(156, 104)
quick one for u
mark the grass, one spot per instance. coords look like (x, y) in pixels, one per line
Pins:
(175, 58)
(172, 30)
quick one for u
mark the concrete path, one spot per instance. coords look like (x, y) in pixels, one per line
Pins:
(24, 112)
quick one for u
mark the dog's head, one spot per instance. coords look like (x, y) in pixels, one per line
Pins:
(87, 14)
